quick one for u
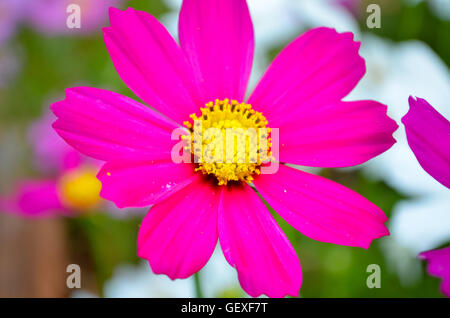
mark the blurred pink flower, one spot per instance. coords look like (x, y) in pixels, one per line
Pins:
(439, 266)
(70, 184)
(428, 134)
(11, 13)
(50, 152)
(301, 93)
(50, 16)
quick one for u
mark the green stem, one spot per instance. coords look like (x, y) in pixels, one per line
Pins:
(198, 287)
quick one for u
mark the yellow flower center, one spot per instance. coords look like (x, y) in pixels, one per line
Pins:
(229, 140)
(80, 189)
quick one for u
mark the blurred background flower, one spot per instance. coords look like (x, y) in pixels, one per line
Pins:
(40, 56)
(11, 13)
(67, 182)
(50, 16)
(217, 280)
(439, 266)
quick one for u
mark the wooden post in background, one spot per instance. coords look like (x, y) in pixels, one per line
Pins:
(33, 257)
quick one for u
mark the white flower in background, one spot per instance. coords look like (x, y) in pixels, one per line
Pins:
(81, 293)
(441, 8)
(217, 278)
(416, 226)
(138, 281)
(419, 233)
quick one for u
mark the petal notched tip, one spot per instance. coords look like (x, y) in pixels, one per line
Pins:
(114, 12)
(380, 235)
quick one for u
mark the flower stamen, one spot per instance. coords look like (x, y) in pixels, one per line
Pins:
(229, 140)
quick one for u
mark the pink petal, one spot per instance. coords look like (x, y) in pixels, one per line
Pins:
(35, 198)
(428, 134)
(151, 63)
(217, 37)
(318, 68)
(143, 179)
(321, 209)
(105, 125)
(254, 244)
(178, 235)
(439, 266)
(340, 134)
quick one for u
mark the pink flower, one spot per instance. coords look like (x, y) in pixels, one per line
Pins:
(11, 13)
(301, 94)
(439, 266)
(69, 184)
(428, 134)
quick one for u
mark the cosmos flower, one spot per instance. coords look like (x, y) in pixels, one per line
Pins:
(205, 79)
(439, 266)
(69, 185)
